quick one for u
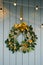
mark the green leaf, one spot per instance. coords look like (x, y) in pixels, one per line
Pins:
(32, 48)
(12, 40)
(15, 33)
(23, 42)
(25, 31)
(9, 49)
(13, 50)
(10, 35)
(35, 44)
(31, 27)
(7, 41)
(24, 51)
(25, 39)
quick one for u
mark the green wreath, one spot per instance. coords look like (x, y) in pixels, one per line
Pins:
(27, 44)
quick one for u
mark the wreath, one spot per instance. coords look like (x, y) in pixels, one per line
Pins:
(27, 44)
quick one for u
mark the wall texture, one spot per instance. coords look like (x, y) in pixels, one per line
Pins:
(10, 15)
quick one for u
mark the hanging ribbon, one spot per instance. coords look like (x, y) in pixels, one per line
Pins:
(21, 12)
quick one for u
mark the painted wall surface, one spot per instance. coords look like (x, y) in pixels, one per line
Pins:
(10, 15)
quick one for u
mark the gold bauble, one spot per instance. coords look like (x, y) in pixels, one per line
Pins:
(30, 41)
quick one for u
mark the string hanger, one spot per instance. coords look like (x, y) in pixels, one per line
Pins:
(21, 12)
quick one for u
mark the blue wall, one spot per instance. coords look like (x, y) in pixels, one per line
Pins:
(10, 15)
